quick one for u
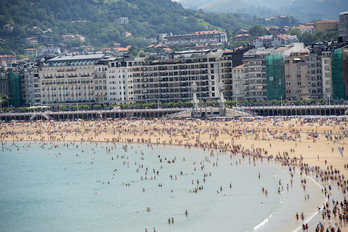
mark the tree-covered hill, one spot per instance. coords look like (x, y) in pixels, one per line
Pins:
(97, 21)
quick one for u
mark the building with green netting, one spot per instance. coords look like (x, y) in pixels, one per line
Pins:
(15, 87)
(275, 77)
(338, 88)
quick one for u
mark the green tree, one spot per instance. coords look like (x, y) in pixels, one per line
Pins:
(4, 100)
(62, 107)
(308, 38)
(274, 101)
(294, 31)
(256, 31)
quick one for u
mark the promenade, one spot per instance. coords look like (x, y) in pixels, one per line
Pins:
(206, 112)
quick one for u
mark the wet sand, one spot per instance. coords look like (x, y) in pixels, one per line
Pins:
(296, 141)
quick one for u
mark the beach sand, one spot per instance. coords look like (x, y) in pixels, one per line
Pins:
(316, 141)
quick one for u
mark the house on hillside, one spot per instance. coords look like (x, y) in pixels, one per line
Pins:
(261, 41)
(123, 20)
(54, 50)
(46, 39)
(283, 30)
(31, 40)
(122, 51)
(241, 31)
(87, 48)
(70, 37)
(30, 51)
(306, 28)
(274, 40)
(282, 40)
(242, 37)
(117, 45)
(8, 28)
(274, 29)
(126, 34)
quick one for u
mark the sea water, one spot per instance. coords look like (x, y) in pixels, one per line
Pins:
(84, 188)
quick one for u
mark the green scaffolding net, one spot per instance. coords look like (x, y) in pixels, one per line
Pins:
(338, 90)
(15, 87)
(275, 77)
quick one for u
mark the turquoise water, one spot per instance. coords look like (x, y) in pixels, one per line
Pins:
(42, 190)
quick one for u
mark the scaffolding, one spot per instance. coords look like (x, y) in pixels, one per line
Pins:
(338, 89)
(275, 77)
(15, 87)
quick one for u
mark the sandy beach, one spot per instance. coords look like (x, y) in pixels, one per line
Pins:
(313, 146)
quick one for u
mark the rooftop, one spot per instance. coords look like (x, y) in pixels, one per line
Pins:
(239, 66)
(74, 60)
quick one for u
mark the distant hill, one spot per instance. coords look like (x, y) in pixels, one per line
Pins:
(304, 10)
(97, 21)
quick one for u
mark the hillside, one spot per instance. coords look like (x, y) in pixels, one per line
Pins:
(97, 21)
(304, 10)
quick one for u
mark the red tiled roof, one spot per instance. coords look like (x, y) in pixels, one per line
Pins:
(282, 37)
(332, 21)
(240, 35)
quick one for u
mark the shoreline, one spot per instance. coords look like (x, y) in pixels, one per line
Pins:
(215, 144)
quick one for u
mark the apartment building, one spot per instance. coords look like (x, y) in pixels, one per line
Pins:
(200, 37)
(68, 79)
(314, 74)
(343, 26)
(327, 77)
(274, 40)
(255, 73)
(225, 71)
(238, 82)
(4, 82)
(296, 85)
(170, 78)
(326, 26)
(29, 77)
(100, 81)
(120, 81)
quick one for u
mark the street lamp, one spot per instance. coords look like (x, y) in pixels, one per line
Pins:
(329, 100)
